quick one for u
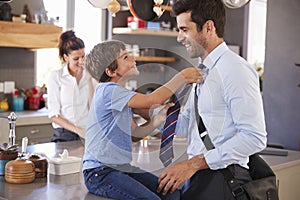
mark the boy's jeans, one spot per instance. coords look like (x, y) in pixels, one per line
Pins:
(130, 183)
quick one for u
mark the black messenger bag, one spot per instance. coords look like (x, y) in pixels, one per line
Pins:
(263, 185)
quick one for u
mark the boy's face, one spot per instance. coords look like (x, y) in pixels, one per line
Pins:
(126, 65)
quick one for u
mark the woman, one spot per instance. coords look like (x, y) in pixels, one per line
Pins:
(70, 91)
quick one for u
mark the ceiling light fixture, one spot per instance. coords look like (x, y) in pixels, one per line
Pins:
(235, 3)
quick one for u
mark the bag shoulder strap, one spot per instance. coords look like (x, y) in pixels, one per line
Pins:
(201, 127)
(237, 191)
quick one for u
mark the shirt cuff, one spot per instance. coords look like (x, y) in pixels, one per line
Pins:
(214, 159)
(50, 115)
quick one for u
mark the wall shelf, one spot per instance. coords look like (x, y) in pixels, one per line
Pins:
(154, 59)
(29, 35)
(142, 31)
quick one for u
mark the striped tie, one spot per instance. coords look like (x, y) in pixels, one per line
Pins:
(166, 148)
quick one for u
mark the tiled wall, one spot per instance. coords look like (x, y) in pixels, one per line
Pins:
(17, 64)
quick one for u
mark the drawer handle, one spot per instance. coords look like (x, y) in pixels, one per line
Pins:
(34, 131)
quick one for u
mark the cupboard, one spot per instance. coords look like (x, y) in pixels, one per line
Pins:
(28, 35)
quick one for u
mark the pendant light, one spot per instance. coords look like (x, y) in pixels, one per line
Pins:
(99, 3)
(113, 7)
(235, 3)
(5, 1)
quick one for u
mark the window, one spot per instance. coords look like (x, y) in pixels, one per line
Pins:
(47, 59)
(257, 32)
(87, 24)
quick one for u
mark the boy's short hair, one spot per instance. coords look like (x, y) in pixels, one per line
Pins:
(102, 56)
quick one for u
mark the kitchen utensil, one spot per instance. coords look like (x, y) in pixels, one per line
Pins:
(19, 171)
(144, 10)
(41, 165)
(24, 145)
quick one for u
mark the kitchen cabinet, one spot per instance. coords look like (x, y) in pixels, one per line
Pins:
(287, 171)
(29, 35)
(35, 133)
(33, 124)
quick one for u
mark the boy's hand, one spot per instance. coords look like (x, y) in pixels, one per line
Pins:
(161, 116)
(192, 75)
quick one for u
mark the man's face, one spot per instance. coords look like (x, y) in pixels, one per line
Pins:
(194, 41)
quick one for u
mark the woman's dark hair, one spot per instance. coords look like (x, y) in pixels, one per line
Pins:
(202, 11)
(69, 42)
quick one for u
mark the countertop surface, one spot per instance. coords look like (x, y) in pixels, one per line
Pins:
(71, 186)
(24, 118)
(29, 117)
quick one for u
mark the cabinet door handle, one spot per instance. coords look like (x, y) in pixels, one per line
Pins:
(34, 131)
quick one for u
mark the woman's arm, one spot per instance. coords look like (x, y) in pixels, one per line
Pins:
(63, 122)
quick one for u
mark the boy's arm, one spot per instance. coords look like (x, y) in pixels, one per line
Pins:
(163, 93)
(143, 112)
(139, 132)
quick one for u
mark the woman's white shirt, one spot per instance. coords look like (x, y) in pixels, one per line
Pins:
(68, 98)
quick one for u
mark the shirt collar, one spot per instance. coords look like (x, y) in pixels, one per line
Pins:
(215, 55)
(65, 71)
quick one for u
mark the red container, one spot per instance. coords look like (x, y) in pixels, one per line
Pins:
(32, 103)
(140, 23)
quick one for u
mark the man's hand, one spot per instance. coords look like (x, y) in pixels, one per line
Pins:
(178, 173)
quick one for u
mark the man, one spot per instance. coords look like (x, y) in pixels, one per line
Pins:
(229, 102)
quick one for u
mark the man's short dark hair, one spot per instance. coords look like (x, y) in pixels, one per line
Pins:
(203, 10)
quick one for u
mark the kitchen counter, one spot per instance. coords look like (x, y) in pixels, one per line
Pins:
(145, 155)
(30, 117)
(24, 118)
(72, 186)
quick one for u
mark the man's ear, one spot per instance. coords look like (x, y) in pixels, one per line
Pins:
(209, 26)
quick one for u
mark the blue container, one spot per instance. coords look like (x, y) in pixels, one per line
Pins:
(5, 158)
(18, 103)
(2, 166)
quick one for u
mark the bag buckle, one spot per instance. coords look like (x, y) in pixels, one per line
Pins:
(238, 191)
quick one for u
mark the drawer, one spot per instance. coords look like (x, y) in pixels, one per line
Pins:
(35, 133)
